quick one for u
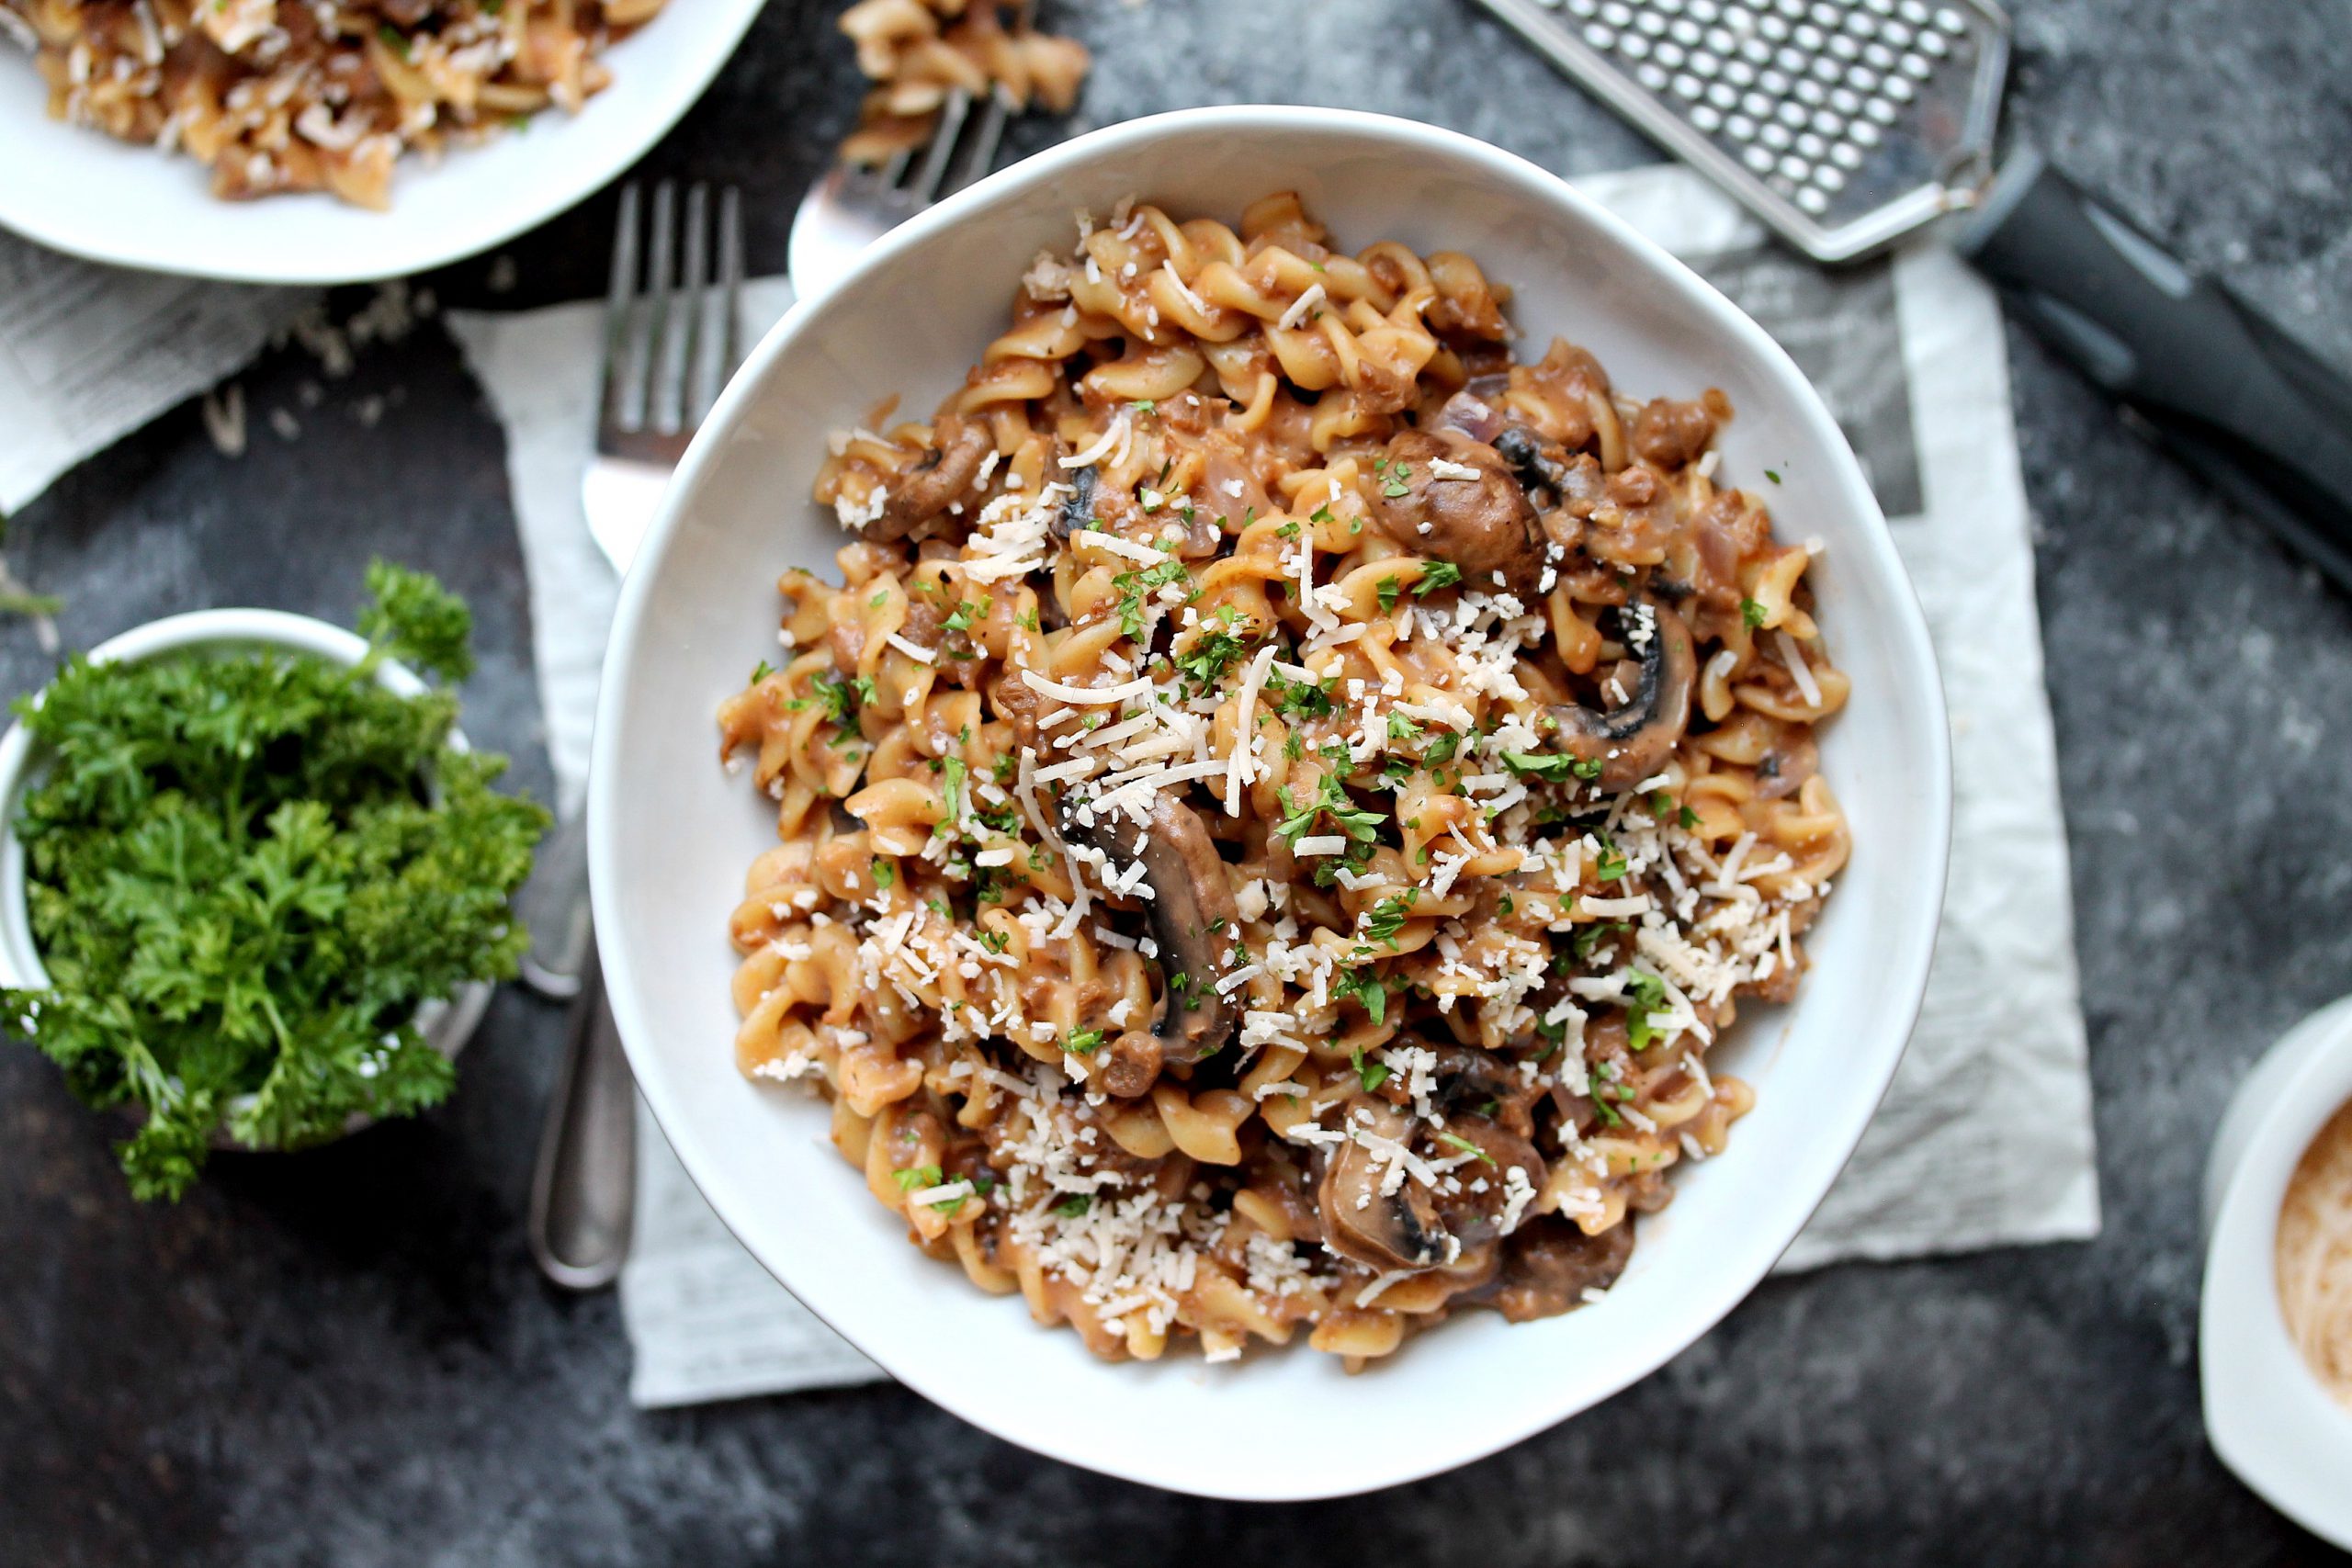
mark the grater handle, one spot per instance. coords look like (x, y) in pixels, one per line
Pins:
(2229, 393)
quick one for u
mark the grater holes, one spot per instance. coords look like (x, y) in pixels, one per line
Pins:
(1633, 46)
(1863, 133)
(1826, 16)
(1794, 169)
(1840, 48)
(1811, 147)
(1651, 22)
(1878, 57)
(1739, 128)
(1774, 135)
(1932, 45)
(1668, 53)
(1706, 117)
(1772, 29)
(1704, 10)
(1916, 12)
(1757, 158)
(1738, 72)
(1723, 95)
(1583, 8)
(1843, 100)
(1651, 75)
(1846, 156)
(1918, 67)
(1809, 93)
(1811, 199)
(1689, 87)
(1758, 105)
(1896, 35)
(1616, 13)
(1895, 91)
(1807, 38)
(1829, 178)
(1831, 126)
(1704, 64)
(1790, 114)
(1686, 32)
(1771, 82)
(1952, 22)
(1600, 37)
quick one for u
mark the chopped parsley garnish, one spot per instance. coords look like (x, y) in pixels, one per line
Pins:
(1751, 612)
(1441, 574)
(1611, 864)
(1557, 766)
(761, 671)
(1772, 474)
(1372, 1075)
(1645, 996)
(1074, 1205)
(1592, 936)
(967, 613)
(398, 42)
(1465, 1145)
(1401, 727)
(1369, 989)
(884, 873)
(1144, 405)
(1083, 1042)
(1212, 653)
(1354, 821)
(916, 1176)
(1397, 489)
(1386, 591)
(1443, 748)
(995, 941)
(1387, 918)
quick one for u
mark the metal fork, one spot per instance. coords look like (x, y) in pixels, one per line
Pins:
(670, 345)
(854, 206)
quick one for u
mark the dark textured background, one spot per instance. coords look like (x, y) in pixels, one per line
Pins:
(345, 1356)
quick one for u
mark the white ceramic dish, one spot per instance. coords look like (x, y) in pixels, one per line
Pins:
(671, 834)
(2266, 1414)
(446, 1025)
(77, 190)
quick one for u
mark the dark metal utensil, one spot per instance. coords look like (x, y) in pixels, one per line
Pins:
(1848, 124)
(583, 1189)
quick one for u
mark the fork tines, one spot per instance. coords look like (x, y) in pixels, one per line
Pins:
(671, 339)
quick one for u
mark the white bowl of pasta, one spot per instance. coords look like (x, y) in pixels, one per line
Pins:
(375, 139)
(1260, 839)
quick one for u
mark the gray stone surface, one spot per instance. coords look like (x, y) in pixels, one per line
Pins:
(345, 1356)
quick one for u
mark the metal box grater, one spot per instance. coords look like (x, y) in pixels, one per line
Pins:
(1841, 123)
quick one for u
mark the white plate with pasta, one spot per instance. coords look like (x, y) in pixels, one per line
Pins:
(392, 137)
(1373, 745)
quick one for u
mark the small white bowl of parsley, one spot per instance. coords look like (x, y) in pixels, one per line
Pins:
(255, 884)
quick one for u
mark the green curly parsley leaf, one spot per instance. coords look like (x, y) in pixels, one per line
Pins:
(245, 875)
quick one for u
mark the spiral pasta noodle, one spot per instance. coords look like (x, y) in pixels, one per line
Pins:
(275, 96)
(1282, 799)
(916, 52)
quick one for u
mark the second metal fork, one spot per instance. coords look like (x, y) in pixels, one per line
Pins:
(670, 345)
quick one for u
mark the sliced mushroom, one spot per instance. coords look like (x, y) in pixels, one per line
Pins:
(1379, 1230)
(1483, 522)
(1480, 1083)
(1077, 509)
(938, 478)
(1193, 921)
(1633, 739)
(1474, 1212)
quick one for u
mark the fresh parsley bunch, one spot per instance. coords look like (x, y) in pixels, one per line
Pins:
(245, 875)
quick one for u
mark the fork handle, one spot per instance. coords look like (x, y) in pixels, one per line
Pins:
(2221, 386)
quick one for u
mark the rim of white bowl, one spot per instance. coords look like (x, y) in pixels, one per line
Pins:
(384, 246)
(1906, 968)
(2266, 1413)
(448, 1024)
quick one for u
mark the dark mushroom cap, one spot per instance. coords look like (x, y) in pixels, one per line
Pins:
(1194, 920)
(1484, 525)
(1633, 739)
(1381, 1231)
(938, 480)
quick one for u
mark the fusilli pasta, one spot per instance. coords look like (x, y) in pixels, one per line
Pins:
(1283, 798)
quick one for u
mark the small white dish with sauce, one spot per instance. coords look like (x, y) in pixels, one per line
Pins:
(2267, 1413)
